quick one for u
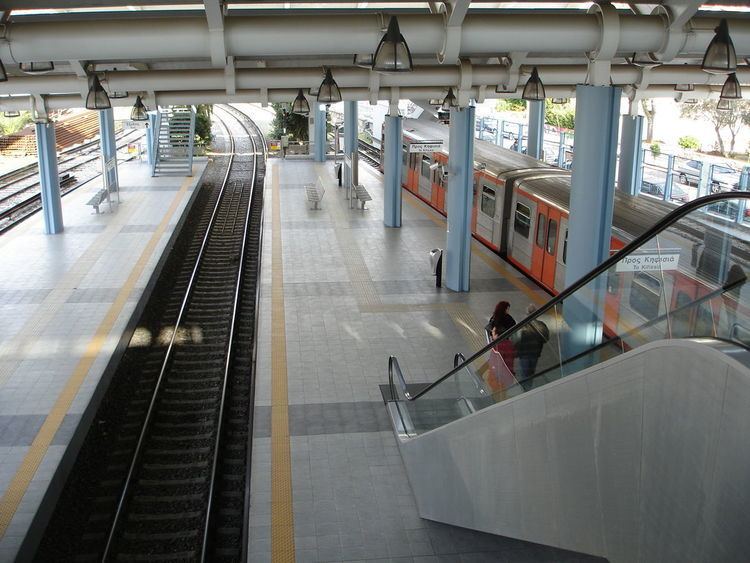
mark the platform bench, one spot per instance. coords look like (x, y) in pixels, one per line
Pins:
(98, 198)
(315, 192)
(362, 195)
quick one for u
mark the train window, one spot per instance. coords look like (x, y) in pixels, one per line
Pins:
(541, 226)
(426, 161)
(551, 236)
(565, 247)
(404, 155)
(644, 295)
(704, 320)
(488, 201)
(522, 222)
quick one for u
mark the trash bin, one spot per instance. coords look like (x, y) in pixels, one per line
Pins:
(436, 263)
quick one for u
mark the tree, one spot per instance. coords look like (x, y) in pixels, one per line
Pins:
(10, 125)
(730, 119)
(650, 111)
(510, 104)
(560, 115)
(203, 124)
(292, 124)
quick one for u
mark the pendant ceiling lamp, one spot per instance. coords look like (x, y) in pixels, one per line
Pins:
(689, 101)
(300, 105)
(560, 100)
(139, 111)
(449, 101)
(643, 60)
(720, 57)
(724, 104)
(534, 89)
(13, 113)
(329, 92)
(684, 87)
(392, 54)
(37, 68)
(731, 89)
(118, 95)
(97, 98)
(363, 61)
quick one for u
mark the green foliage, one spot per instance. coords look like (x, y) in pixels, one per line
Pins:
(510, 104)
(560, 115)
(295, 125)
(10, 125)
(689, 142)
(655, 149)
(203, 124)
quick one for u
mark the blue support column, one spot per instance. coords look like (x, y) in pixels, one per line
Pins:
(669, 178)
(459, 199)
(591, 205)
(561, 151)
(744, 184)
(519, 139)
(536, 129)
(631, 156)
(392, 170)
(350, 133)
(319, 142)
(151, 134)
(108, 144)
(49, 179)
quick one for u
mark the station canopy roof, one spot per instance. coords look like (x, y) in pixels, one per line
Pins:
(172, 52)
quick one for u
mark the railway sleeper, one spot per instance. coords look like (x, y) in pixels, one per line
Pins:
(150, 536)
(179, 425)
(205, 382)
(150, 483)
(164, 516)
(173, 556)
(175, 466)
(179, 452)
(186, 402)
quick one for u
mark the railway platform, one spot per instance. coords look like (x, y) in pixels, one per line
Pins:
(339, 294)
(65, 301)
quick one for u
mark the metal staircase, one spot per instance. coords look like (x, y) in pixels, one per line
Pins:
(175, 128)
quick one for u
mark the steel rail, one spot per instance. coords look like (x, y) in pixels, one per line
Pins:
(188, 292)
(228, 360)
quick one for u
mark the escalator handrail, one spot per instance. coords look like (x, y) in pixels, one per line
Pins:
(634, 245)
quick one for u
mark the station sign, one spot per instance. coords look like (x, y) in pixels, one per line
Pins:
(132, 124)
(426, 146)
(664, 260)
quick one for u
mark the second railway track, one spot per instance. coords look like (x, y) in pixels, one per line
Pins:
(174, 486)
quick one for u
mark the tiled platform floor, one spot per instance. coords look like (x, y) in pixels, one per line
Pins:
(64, 302)
(355, 292)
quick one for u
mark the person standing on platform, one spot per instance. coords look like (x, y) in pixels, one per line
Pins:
(531, 341)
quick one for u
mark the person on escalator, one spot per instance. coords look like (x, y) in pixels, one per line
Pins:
(531, 340)
(501, 318)
(502, 363)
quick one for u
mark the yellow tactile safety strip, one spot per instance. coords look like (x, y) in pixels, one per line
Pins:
(469, 326)
(282, 513)
(20, 482)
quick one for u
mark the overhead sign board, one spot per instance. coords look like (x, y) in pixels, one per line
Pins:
(132, 124)
(664, 260)
(426, 146)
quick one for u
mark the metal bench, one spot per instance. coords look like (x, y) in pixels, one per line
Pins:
(362, 195)
(97, 199)
(315, 192)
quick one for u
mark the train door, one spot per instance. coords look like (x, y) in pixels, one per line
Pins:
(405, 165)
(425, 177)
(489, 212)
(547, 228)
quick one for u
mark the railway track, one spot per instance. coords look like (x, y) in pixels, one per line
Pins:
(174, 431)
(369, 153)
(19, 202)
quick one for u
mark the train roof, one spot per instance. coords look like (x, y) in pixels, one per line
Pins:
(498, 161)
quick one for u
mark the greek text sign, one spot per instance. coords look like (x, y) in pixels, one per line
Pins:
(665, 260)
(426, 146)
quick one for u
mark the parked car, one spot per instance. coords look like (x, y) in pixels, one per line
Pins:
(653, 185)
(725, 176)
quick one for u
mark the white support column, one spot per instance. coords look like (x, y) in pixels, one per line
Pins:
(350, 134)
(536, 129)
(392, 170)
(49, 178)
(630, 172)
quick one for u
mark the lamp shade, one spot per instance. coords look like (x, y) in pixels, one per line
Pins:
(392, 54)
(449, 101)
(684, 87)
(300, 105)
(118, 95)
(329, 92)
(13, 113)
(731, 89)
(37, 68)
(643, 60)
(724, 104)
(689, 101)
(139, 111)
(3, 74)
(363, 61)
(97, 98)
(560, 100)
(720, 57)
(534, 89)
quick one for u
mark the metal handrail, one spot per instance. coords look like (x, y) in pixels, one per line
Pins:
(227, 364)
(139, 446)
(666, 222)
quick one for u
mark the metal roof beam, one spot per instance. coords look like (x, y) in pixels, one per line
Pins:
(217, 43)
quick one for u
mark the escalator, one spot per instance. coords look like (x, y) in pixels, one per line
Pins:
(628, 441)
